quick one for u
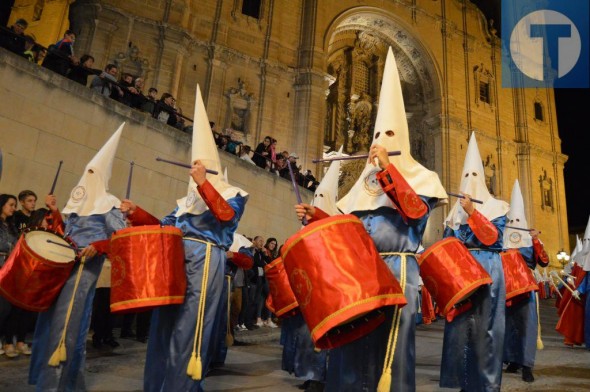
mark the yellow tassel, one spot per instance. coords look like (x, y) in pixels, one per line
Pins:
(192, 366)
(54, 359)
(385, 382)
(62, 352)
(540, 345)
(198, 370)
(229, 340)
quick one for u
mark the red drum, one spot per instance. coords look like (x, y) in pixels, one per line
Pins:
(147, 268)
(517, 275)
(36, 270)
(451, 274)
(340, 281)
(281, 300)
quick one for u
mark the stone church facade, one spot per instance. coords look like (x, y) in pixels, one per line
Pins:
(308, 73)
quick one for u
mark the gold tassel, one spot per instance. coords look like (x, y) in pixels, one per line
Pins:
(385, 382)
(191, 370)
(229, 340)
(54, 359)
(540, 345)
(62, 352)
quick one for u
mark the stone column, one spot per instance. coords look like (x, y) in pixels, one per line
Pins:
(83, 21)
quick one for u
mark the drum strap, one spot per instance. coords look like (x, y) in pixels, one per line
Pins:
(195, 367)
(385, 381)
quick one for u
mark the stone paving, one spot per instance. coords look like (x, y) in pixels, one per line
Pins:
(256, 365)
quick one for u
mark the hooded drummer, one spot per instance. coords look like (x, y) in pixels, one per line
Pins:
(520, 341)
(300, 357)
(474, 340)
(393, 198)
(93, 215)
(180, 342)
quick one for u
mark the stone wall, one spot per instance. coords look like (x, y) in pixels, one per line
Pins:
(45, 118)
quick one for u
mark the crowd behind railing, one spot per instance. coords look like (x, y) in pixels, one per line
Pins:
(129, 90)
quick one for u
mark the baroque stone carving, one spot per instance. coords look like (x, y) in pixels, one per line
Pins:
(239, 106)
(546, 185)
(130, 61)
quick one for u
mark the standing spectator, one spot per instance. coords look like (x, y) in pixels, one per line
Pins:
(164, 110)
(61, 55)
(137, 98)
(29, 45)
(245, 154)
(13, 39)
(8, 237)
(105, 83)
(150, 101)
(261, 154)
(80, 72)
(125, 90)
(293, 162)
(40, 53)
(28, 201)
(102, 318)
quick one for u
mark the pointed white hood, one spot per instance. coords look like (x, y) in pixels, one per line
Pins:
(473, 182)
(516, 217)
(391, 131)
(90, 196)
(204, 148)
(239, 242)
(326, 193)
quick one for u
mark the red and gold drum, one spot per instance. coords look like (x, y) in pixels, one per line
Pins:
(340, 281)
(517, 275)
(147, 268)
(281, 300)
(37, 269)
(451, 274)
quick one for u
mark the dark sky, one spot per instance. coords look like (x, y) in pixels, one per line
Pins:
(575, 138)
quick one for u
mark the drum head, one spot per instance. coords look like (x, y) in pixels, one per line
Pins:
(37, 241)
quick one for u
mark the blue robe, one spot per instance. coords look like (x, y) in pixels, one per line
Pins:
(584, 288)
(299, 356)
(173, 327)
(474, 340)
(69, 375)
(358, 366)
(520, 341)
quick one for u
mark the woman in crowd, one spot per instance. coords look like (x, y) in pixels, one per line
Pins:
(8, 237)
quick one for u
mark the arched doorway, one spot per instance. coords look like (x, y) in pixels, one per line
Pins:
(356, 46)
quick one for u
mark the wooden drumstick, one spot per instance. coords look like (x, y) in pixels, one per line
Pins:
(128, 193)
(352, 157)
(184, 165)
(518, 228)
(55, 178)
(463, 197)
(296, 189)
(567, 286)
(62, 245)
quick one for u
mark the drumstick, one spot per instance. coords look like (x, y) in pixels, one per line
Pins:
(129, 180)
(296, 188)
(364, 156)
(463, 197)
(62, 245)
(553, 284)
(55, 178)
(184, 165)
(519, 228)
(567, 286)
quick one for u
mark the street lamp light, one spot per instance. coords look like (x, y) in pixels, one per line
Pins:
(563, 258)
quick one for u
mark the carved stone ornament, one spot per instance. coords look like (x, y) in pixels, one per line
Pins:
(239, 106)
(546, 185)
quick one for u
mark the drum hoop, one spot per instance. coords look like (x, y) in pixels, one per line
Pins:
(44, 260)
(285, 309)
(273, 264)
(375, 298)
(435, 246)
(289, 246)
(462, 292)
(176, 232)
(139, 300)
